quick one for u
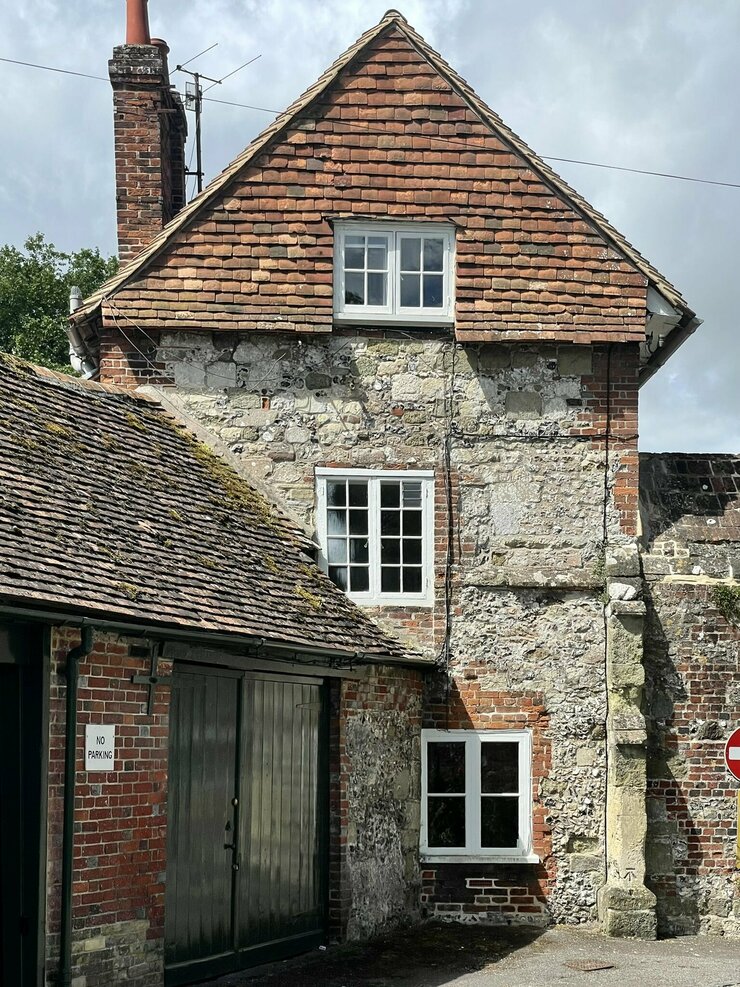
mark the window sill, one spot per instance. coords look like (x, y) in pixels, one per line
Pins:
(478, 858)
(399, 602)
(397, 321)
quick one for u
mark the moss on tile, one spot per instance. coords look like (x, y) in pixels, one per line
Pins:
(136, 422)
(129, 590)
(311, 598)
(56, 429)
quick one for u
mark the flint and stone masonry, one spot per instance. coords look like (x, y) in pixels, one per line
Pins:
(532, 495)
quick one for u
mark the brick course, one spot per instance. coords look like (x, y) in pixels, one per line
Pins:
(120, 817)
(149, 141)
(493, 893)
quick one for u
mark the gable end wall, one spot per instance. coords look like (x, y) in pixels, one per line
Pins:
(389, 140)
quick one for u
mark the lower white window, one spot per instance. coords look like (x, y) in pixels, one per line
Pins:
(476, 794)
(375, 530)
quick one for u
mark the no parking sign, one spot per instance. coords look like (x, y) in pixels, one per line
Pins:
(732, 754)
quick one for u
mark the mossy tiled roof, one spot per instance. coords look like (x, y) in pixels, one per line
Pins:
(108, 507)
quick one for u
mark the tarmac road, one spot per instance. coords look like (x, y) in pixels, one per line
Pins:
(472, 956)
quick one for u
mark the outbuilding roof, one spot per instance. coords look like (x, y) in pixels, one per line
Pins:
(111, 509)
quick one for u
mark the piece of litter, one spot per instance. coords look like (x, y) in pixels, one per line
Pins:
(588, 966)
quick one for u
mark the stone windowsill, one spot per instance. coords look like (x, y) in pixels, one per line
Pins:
(476, 858)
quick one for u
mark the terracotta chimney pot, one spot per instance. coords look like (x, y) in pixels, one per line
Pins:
(137, 23)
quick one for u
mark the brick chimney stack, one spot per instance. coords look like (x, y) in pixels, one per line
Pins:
(149, 133)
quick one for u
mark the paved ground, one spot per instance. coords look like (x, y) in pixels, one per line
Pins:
(461, 956)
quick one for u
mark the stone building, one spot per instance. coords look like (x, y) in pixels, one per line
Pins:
(427, 349)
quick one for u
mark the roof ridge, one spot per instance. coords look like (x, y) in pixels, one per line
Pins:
(465, 90)
(221, 180)
(496, 122)
(67, 380)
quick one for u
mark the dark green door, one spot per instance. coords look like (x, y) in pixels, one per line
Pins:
(246, 855)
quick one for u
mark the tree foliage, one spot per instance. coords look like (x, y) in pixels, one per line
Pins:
(34, 297)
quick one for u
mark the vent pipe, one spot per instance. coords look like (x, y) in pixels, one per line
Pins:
(79, 356)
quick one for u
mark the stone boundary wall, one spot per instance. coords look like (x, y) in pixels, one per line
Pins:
(694, 704)
(691, 562)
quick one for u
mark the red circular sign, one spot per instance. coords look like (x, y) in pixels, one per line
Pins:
(732, 754)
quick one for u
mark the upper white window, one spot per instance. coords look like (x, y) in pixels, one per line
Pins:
(375, 529)
(403, 273)
(476, 794)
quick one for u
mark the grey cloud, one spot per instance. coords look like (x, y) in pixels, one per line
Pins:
(643, 84)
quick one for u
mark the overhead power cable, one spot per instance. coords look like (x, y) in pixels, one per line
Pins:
(50, 68)
(445, 140)
(470, 146)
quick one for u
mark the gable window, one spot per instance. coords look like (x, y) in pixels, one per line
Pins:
(476, 794)
(375, 529)
(386, 273)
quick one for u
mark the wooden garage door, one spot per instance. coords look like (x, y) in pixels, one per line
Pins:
(247, 821)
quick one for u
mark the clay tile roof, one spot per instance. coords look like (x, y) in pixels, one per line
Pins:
(109, 508)
(392, 18)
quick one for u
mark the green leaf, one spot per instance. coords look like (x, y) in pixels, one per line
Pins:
(34, 297)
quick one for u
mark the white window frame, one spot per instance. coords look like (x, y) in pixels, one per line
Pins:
(472, 851)
(393, 311)
(374, 596)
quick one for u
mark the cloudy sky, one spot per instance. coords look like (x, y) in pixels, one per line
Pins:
(648, 84)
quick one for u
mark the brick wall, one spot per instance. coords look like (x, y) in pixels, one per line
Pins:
(374, 146)
(490, 892)
(120, 818)
(149, 140)
(610, 417)
(691, 524)
(693, 701)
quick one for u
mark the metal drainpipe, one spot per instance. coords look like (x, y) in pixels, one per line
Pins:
(70, 751)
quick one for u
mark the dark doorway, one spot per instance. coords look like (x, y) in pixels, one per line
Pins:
(247, 821)
(23, 752)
